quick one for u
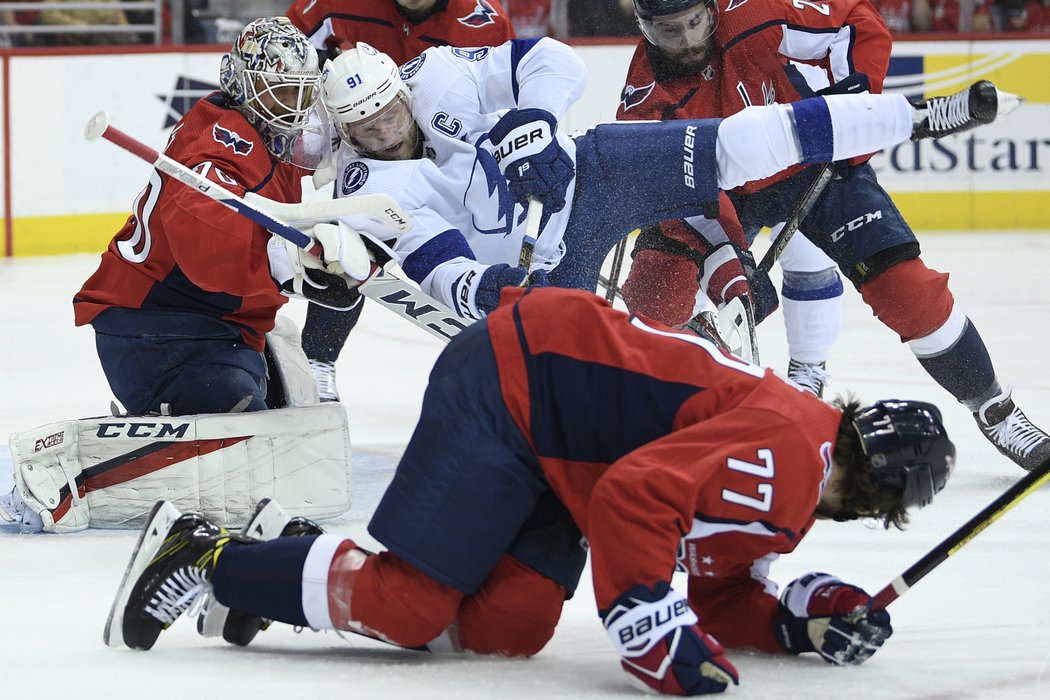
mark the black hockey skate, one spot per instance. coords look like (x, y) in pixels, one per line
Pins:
(975, 106)
(170, 569)
(268, 522)
(1006, 427)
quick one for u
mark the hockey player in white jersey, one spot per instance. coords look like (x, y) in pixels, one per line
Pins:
(463, 138)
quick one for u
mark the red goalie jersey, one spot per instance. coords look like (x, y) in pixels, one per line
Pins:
(181, 252)
(336, 23)
(695, 452)
(764, 51)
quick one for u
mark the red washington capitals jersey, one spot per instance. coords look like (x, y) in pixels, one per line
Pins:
(755, 42)
(342, 23)
(649, 436)
(183, 252)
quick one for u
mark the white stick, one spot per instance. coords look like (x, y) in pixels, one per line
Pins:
(404, 299)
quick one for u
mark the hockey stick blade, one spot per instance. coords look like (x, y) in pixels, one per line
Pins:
(736, 327)
(954, 542)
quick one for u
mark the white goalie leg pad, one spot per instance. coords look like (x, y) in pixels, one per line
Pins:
(293, 369)
(108, 472)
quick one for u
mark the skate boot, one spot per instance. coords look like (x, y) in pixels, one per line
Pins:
(268, 522)
(1012, 433)
(810, 376)
(978, 104)
(324, 376)
(170, 569)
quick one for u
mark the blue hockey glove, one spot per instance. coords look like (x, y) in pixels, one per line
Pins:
(496, 277)
(530, 157)
(832, 618)
(661, 645)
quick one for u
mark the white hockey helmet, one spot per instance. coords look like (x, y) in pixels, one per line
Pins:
(366, 98)
(271, 76)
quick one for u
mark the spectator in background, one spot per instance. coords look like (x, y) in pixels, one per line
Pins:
(531, 18)
(602, 18)
(1036, 16)
(1009, 15)
(14, 18)
(55, 14)
(903, 16)
(961, 16)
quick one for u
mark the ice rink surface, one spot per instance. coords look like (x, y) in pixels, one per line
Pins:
(977, 627)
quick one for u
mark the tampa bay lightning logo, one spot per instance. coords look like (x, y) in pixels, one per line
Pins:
(354, 177)
(483, 14)
(471, 54)
(632, 96)
(412, 66)
(241, 147)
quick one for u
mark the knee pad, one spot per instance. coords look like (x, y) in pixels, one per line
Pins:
(514, 613)
(108, 472)
(910, 298)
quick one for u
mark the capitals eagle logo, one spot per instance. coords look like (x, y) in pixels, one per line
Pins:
(241, 147)
(632, 96)
(483, 14)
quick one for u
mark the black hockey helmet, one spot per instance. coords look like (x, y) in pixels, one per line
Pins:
(907, 448)
(650, 9)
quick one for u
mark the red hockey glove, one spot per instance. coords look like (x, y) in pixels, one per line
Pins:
(662, 648)
(730, 272)
(832, 618)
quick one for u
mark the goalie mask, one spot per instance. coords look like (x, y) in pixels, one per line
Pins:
(683, 30)
(907, 448)
(370, 104)
(271, 77)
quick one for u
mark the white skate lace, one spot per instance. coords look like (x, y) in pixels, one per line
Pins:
(324, 376)
(810, 377)
(1016, 433)
(182, 591)
(949, 112)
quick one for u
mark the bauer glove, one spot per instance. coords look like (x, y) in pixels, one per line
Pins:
(529, 156)
(660, 645)
(496, 277)
(821, 613)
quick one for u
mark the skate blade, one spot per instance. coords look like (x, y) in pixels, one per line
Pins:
(158, 523)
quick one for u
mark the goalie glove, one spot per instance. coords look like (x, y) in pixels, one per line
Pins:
(730, 272)
(530, 157)
(821, 613)
(298, 273)
(661, 647)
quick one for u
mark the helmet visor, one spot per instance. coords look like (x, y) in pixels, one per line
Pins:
(383, 133)
(680, 32)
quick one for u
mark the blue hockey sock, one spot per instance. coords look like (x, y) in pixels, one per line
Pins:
(811, 286)
(815, 134)
(264, 578)
(964, 369)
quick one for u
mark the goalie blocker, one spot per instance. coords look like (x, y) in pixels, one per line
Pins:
(108, 472)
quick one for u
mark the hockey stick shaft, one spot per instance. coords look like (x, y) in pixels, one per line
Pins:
(809, 198)
(612, 285)
(386, 289)
(954, 542)
(532, 232)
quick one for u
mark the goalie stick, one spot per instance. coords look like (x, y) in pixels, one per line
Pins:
(382, 285)
(954, 542)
